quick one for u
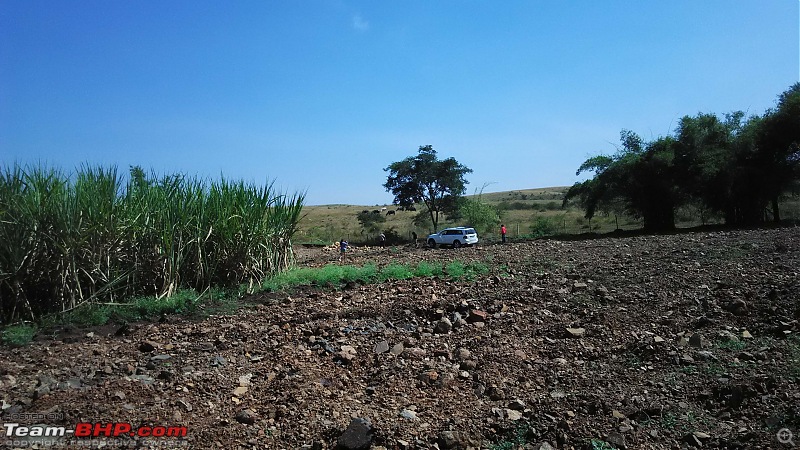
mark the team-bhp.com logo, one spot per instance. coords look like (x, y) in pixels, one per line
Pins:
(91, 430)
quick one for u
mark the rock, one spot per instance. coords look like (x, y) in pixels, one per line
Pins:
(244, 380)
(246, 416)
(185, 405)
(146, 379)
(463, 354)
(469, 364)
(219, 361)
(240, 391)
(443, 326)
(429, 376)
(513, 415)
(578, 286)
(697, 341)
(702, 436)
(397, 349)
(382, 347)
(476, 315)
(157, 358)
(692, 441)
(544, 446)
(347, 353)
(357, 436)
(706, 355)
(576, 332)
(408, 414)
(616, 440)
(517, 405)
(658, 339)
(146, 347)
(448, 440)
(415, 352)
(746, 335)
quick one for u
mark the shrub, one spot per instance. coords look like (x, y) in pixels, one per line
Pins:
(543, 226)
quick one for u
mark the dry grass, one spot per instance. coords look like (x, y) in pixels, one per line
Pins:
(521, 210)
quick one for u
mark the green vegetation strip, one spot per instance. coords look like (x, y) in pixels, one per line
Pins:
(189, 302)
(337, 275)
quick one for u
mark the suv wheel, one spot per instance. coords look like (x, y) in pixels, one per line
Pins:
(456, 244)
(431, 243)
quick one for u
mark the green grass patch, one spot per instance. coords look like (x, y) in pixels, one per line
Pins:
(599, 444)
(334, 275)
(733, 345)
(183, 302)
(515, 439)
(18, 334)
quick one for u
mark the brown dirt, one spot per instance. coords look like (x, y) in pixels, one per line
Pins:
(638, 342)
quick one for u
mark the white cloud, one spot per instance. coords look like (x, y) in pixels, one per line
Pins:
(359, 23)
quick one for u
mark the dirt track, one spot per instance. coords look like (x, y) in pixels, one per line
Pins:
(643, 342)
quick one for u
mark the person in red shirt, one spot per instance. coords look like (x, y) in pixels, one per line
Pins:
(503, 232)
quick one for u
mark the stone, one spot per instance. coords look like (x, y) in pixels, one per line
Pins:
(658, 339)
(397, 349)
(617, 440)
(469, 364)
(240, 391)
(513, 415)
(408, 414)
(576, 332)
(706, 355)
(358, 436)
(746, 335)
(517, 405)
(448, 440)
(443, 326)
(697, 341)
(463, 354)
(692, 441)
(246, 416)
(219, 361)
(382, 347)
(476, 315)
(146, 347)
(347, 353)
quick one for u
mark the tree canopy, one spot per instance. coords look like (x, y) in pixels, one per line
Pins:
(735, 167)
(438, 184)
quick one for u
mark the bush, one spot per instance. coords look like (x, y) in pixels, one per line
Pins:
(543, 226)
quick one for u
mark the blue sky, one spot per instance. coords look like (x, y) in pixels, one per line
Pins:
(322, 95)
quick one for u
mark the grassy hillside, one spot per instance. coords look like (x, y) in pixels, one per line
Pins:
(524, 212)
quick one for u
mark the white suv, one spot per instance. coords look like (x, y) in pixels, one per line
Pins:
(456, 237)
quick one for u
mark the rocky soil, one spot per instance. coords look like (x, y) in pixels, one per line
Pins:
(685, 340)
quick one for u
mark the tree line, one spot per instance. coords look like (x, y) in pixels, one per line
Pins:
(734, 167)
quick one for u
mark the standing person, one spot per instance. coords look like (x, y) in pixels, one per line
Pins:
(382, 238)
(503, 232)
(414, 236)
(342, 250)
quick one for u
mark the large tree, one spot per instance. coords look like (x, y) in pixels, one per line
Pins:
(778, 145)
(637, 180)
(438, 184)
